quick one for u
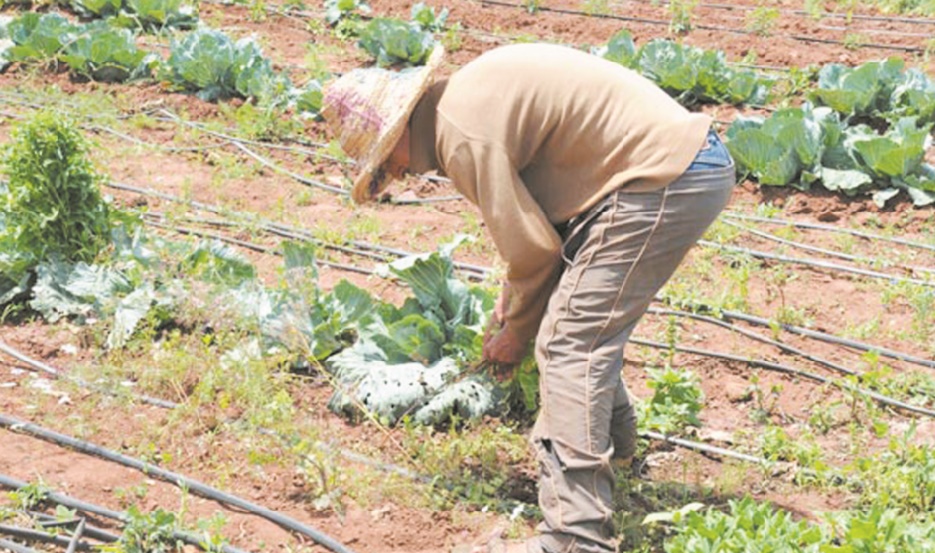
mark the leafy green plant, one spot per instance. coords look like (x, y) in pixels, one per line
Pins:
(147, 533)
(38, 37)
(391, 41)
(471, 463)
(53, 206)
(97, 8)
(337, 10)
(806, 145)
(411, 359)
(675, 403)
(424, 17)
(691, 75)
(161, 14)
(29, 496)
(903, 477)
(103, 53)
(680, 15)
(762, 20)
(213, 66)
(745, 526)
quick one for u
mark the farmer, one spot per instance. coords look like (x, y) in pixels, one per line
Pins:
(593, 184)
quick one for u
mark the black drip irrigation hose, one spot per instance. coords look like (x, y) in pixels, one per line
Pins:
(15, 547)
(137, 141)
(759, 338)
(482, 272)
(92, 509)
(792, 371)
(733, 7)
(828, 338)
(7, 350)
(76, 536)
(194, 486)
(241, 144)
(44, 537)
(799, 38)
(703, 448)
(824, 251)
(294, 176)
(817, 263)
(251, 245)
(46, 521)
(828, 228)
(161, 217)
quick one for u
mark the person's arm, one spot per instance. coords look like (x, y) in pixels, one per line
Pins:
(523, 235)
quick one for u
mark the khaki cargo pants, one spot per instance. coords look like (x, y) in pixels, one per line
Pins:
(630, 244)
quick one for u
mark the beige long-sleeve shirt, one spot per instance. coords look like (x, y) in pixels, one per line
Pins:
(536, 134)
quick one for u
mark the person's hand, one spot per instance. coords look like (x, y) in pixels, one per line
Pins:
(505, 350)
(496, 318)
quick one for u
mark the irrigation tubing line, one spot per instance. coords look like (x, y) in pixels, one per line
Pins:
(830, 338)
(241, 144)
(172, 118)
(884, 32)
(318, 184)
(754, 336)
(731, 7)
(704, 448)
(76, 537)
(809, 262)
(38, 535)
(777, 367)
(831, 253)
(252, 218)
(800, 38)
(15, 547)
(295, 176)
(47, 521)
(92, 509)
(179, 480)
(253, 247)
(161, 217)
(137, 141)
(7, 350)
(829, 228)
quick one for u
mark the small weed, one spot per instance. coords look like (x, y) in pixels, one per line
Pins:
(855, 41)
(29, 496)
(765, 402)
(452, 39)
(147, 533)
(676, 401)
(321, 471)
(532, 6)
(257, 123)
(478, 464)
(596, 7)
(680, 15)
(762, 20)
(902, 477)
(131, 495)
(257, 10)
(815, 9)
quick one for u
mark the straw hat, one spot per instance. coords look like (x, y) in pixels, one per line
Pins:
(368, 110)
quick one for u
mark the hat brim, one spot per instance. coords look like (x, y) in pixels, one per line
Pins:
(371, 180)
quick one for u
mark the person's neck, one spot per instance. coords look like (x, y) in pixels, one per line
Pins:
(422, 157)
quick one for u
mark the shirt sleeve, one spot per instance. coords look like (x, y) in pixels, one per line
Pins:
(523, 235)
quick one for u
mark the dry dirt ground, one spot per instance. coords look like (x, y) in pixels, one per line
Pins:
(828, 301)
